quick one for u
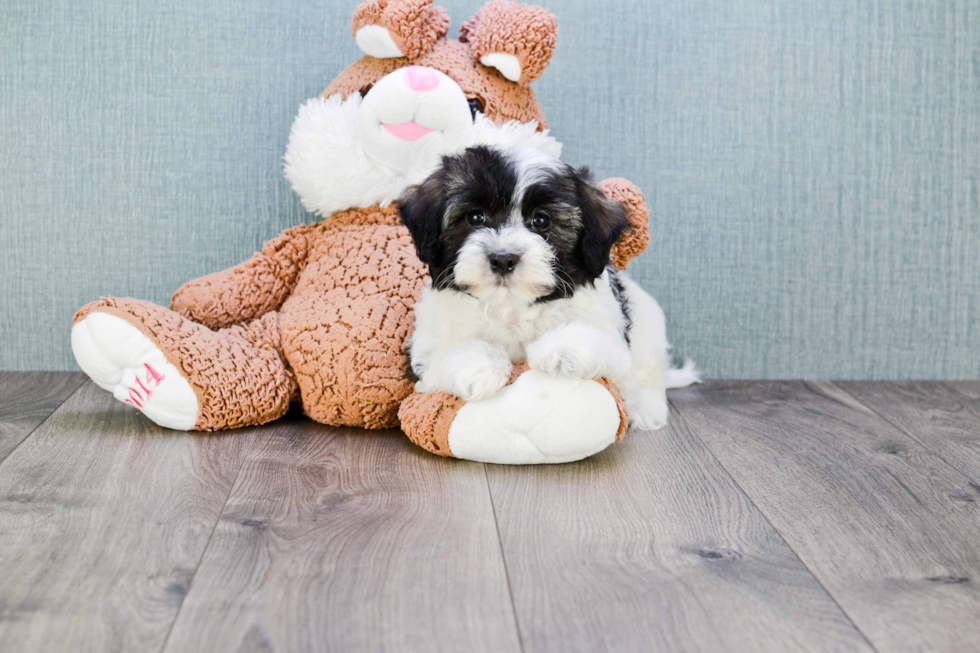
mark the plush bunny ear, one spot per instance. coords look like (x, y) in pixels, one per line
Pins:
(518, 40)
(398, 28)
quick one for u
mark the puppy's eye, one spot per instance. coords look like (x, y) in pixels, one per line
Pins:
(476, 106)
(540, 222)
(476, 218)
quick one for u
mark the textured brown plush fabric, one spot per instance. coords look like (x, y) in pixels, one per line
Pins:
(352, 282)
(347, 321)
(250, 289)
(620, 404)
(414, 25)
(527, 32)
(634, 242)
(426, 419)
(519, 368)
(502, 100)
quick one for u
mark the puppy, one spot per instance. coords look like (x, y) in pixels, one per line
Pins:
(518, 247)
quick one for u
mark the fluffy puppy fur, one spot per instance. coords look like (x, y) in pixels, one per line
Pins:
(518, 245)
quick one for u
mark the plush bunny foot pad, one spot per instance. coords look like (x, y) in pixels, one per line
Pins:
(120, 359)
(537, 418)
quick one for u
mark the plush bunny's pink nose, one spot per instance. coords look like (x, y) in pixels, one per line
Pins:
(421, 79)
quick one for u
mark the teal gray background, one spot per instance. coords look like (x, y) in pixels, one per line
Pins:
(812, 167)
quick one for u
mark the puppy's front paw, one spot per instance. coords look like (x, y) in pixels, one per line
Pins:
(562, 354)
(650, 411)
(482, 380)
(470, 371)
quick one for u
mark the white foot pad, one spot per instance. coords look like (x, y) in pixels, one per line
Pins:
(120, 359)
(537, 419)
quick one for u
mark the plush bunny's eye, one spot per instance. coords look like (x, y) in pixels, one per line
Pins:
(476, 218)
(476, 106)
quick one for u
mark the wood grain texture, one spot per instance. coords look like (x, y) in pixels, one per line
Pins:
(345, 540)
(768, 517)
(103, 519)
(26, 400)
(866, 507)
(930, 412)
(969, 389)
(650, 546)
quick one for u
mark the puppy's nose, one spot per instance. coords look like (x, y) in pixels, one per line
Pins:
(503, 263)
(421, 79)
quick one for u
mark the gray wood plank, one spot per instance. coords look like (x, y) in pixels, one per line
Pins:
(103, 518)
(26, 400)
(650, 546)
(930, 412)
(969, 389)
(866, 507)
(345, 540)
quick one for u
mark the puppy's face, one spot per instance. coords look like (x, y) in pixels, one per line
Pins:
(511, 227)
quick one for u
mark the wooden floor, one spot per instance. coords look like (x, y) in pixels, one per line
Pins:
(769, 516)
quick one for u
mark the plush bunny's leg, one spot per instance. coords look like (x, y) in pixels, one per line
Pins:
(537, 418)
(179, 373)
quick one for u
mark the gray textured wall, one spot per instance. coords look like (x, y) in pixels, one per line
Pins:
(813, 167)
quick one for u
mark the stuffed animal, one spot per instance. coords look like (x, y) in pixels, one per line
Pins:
(322, 314)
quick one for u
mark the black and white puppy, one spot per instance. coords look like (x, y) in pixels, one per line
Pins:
(518, 247)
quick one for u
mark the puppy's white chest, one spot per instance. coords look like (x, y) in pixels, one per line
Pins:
(513, 328)
(513, 319)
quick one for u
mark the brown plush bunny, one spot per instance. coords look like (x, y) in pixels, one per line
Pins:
(321, 316)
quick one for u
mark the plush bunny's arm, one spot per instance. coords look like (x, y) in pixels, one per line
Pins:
(248, 290)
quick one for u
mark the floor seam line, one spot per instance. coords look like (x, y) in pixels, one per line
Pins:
(813, 575)
(503, 559)
(43, 422)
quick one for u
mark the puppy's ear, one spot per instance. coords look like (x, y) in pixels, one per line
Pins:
(603, 222)
(422, 208)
